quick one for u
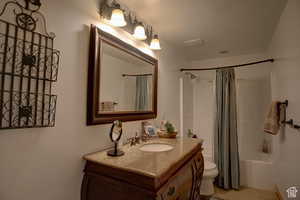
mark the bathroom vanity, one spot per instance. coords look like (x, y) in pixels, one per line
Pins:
(148, 171)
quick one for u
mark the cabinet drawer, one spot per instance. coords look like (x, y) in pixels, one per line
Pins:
(185, 183)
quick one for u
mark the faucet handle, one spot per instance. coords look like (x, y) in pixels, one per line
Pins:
(137, 138)
(145, 137)
(132, 141)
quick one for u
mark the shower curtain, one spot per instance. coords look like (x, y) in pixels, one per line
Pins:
(141, 99)
(226, 153)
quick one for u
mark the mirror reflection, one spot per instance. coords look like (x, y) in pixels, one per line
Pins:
(126, 82)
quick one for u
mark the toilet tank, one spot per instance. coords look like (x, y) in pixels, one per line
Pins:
(208, 157)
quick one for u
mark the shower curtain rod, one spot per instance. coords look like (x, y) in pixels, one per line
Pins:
(136, 75)
(226, 67)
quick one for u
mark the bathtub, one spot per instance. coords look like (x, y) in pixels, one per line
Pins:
(257, 174)
(254, 173)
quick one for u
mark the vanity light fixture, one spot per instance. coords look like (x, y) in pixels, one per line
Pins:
(155, 44)
(117, 17)
(139, 32)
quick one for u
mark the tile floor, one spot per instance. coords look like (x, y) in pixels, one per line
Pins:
(245, 194)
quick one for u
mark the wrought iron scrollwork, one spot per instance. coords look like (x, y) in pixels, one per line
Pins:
(27, 15)
(36, 3)
(25, 21)
(17, 113)
(28, 66)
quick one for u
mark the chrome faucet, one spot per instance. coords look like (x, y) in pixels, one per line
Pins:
(145, 137)
(134, 140)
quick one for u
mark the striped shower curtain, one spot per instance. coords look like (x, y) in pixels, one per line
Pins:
(226, 153)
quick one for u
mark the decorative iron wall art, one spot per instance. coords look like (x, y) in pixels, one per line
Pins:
(28, 66)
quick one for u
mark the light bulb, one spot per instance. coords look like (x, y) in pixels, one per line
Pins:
(155, 45)
(117, 17)
(139, 32)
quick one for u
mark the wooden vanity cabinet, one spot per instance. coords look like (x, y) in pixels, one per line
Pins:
(181, 182)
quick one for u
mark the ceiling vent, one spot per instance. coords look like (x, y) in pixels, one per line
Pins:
(194, 42)
(224, 52)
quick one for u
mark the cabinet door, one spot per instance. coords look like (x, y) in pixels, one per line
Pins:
(185, 185)
(197, 168)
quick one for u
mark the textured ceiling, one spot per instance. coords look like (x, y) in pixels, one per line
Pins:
(238, 26)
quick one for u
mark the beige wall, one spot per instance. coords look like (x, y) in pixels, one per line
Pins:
(46, 164)
(285, 48)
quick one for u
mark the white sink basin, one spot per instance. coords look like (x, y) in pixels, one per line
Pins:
(156, 147)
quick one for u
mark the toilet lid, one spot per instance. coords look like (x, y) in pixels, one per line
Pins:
(209, 165)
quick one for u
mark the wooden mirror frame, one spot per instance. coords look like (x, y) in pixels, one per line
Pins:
(93, 93)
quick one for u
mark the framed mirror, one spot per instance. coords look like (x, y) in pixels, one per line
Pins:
(122, 81)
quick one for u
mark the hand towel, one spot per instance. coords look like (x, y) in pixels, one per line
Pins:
(107, 106)
(272, 122)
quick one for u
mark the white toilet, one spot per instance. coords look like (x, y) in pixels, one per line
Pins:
(209, 175)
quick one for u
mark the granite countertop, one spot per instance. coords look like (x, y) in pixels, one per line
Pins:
(150, 164)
